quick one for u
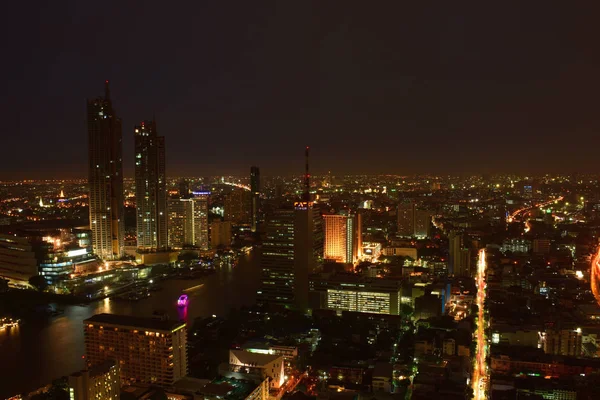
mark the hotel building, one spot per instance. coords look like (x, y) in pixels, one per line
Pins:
(147, 350)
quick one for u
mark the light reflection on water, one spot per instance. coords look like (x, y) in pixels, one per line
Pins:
(41, 350)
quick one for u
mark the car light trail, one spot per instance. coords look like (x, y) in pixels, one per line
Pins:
(512, 217)
(191, 289)
(595, 275)
(480, 380)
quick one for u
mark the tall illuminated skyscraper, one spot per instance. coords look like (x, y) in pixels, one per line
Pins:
(237, 206)
(105, 177)
(188, 221)
(406, 219)
(292, 249)
(255, 192)
(341, 237)
(150, 188)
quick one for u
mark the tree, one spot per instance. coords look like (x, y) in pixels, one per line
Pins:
(38, 282)
(406, 310)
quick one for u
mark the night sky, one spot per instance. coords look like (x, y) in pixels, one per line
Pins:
(372, 88)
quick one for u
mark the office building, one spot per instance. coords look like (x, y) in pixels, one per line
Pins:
(237, 207)
(147, 350)
(105, 177)
(150, 188)
(541, 246)
(292, 248)
(177, 209)
(563, 342)
(54, 254)
(220, 234)
(255, 192)
(413, 222)
(350, 292)
(101, 382)
(188, 221)
(341, 237)
(406, 219)
(422, 225)
(460, 255)
(17, 258)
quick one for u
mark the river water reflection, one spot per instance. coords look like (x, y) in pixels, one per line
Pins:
(39, 351)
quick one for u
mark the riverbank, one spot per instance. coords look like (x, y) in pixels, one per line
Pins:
(24, 304)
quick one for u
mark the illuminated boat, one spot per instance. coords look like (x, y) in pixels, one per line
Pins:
(183, 300)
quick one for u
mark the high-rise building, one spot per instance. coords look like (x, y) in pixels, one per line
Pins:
(220, 234)
(406, 219)
(460, 255)
(147, 350)
(237, 206)
(105, 177)
(150, 188)
(255, 192)
(188, 221)
(101, 382)
(177, 212)
(413, 222)
(422, 223)
(341, 237)
(293, 248)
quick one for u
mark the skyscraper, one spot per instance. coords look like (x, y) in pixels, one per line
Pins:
(422, 223)
(292, 249)
(188, 221)
(238, 206)
(150, 188)
(255, 191)
(341, 237)
(406, 219)
(105, 177)
(413, 222)
(460, 255)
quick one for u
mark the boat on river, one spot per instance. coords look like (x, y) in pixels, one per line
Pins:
(183, 300)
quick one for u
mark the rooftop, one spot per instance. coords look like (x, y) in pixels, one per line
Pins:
(256, 359)
(136, 322)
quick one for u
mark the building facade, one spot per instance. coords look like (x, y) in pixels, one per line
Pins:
(220, 234)
(406, 219)
(255, 192)
(150, 188)
(238, 207)
(293, 248)
(105, 177)
(341, 238)
(102, 382)
(349, 293)
(188, 221)
(147, 350)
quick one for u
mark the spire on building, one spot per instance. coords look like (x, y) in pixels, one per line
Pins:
(62, 194)
(306, 196)
(106, 90)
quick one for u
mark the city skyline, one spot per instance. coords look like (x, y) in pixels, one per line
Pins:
(435, 80)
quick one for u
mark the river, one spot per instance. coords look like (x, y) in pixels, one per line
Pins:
(37, 352)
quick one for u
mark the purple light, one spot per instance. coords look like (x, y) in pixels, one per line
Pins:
(183, 300)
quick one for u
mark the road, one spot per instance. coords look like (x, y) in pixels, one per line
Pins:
(480, 376)
(512, 217)
(595, 275)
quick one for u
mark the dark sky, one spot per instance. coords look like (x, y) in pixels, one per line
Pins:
(370, 86)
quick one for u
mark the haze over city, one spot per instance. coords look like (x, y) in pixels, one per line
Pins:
(395, 88)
